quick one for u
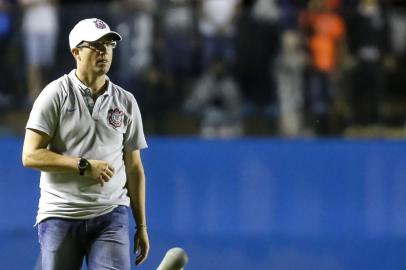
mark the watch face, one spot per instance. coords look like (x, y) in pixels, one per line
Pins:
(82, 163)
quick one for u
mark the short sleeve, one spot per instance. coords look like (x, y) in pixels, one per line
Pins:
(45, 111)
(134, 138)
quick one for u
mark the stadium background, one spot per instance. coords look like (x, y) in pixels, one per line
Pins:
(320, 199)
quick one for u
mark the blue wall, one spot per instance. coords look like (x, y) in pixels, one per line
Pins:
(248, 204)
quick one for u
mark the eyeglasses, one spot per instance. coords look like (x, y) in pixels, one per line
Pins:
(99, 46)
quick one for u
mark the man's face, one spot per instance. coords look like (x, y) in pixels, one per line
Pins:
(95, 57)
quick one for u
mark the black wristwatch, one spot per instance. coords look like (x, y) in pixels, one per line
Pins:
(82, 165)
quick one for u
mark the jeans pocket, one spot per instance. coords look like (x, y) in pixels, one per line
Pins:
(120, 215)
(52, 233)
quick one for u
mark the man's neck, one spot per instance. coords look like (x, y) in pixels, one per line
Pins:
(96, 83)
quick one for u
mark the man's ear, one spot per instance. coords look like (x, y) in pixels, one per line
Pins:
(75, 53)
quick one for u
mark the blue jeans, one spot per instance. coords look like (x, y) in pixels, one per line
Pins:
(103, 241)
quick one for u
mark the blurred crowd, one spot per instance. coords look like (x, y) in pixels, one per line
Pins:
(225, 68)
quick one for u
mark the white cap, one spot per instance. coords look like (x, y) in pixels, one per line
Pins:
(90, 30)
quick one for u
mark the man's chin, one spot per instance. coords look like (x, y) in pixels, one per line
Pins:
(102, 69)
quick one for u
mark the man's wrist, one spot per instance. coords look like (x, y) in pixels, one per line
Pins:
(83, 164)
(141, 227)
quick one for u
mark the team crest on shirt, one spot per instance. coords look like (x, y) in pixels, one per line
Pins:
(100, 24)
(115, 117)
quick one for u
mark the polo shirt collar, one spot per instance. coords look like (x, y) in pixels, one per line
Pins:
(86, 90)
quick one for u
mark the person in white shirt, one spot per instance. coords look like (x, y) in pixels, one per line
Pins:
(84, 134)
(40, 28)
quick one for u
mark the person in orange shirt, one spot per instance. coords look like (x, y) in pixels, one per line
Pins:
(325, 31)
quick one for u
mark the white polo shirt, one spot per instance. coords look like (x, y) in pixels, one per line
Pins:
(113, 125)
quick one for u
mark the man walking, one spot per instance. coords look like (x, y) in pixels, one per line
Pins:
(84, 134)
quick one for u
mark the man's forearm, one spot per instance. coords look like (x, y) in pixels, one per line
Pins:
(48, 161)
(136, 191)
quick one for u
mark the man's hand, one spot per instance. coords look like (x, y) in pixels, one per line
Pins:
(100, 171)
(141, 245)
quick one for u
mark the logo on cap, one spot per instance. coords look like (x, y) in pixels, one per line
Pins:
(99, 24)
